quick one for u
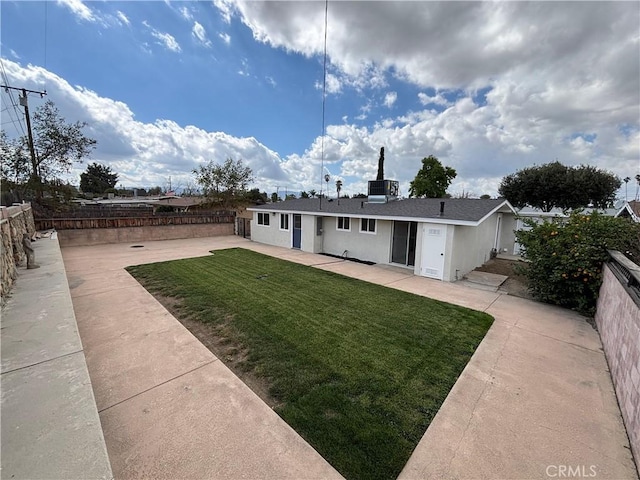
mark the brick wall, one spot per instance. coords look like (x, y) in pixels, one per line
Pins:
(618, 320)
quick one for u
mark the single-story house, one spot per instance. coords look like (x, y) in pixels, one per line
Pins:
(436, 238)
(630, 210)
(555, 215)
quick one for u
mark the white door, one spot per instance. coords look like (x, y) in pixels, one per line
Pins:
(434, 239)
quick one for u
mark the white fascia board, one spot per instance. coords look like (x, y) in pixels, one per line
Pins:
(496, 209)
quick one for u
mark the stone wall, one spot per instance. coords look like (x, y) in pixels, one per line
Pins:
(618, 321)
(14, 222)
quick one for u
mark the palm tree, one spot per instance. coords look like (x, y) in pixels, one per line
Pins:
(338, 186)
(638, 186)
(625, 180)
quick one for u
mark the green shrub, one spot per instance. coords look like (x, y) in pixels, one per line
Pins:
(566, 258)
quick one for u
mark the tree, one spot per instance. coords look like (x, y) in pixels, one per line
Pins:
(157, 190)
(58, 144)
(312, 193)
(274, 197)
(97, 179)
(304, 194)
(224, 183)
(338, 187)
(555, 185)
(432, 180)
(14, 164)
(255, 196)
(565, 259)
(485, 196)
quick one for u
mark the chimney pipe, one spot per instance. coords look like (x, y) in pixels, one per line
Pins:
(441, 209)
(361, 204)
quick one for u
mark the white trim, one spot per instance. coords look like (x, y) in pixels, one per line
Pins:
(338, 229)
(265, 214)
(445, 221)
(284, 215)
(375, 225)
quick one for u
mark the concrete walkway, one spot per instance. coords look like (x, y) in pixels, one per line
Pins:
(50, 425)
(535, 400)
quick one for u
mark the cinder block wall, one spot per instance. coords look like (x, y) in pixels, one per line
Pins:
(14, 222)
(618, 320)
(99, 236)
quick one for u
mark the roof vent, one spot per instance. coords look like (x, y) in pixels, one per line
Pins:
(441, 209)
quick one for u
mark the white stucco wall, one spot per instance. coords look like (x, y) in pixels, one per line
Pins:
(471, 247)
(363, 246)
(272, 235)
(310, 242)
(507, 235)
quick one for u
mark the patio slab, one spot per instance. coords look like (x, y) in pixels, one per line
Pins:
(536, 394)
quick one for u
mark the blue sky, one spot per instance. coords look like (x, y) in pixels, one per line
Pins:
(488, 88)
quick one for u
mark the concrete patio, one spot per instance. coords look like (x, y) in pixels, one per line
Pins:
(535, 398)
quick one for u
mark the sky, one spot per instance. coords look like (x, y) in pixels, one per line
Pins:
(487, 87)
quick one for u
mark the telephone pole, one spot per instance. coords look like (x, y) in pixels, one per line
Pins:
(25, 103)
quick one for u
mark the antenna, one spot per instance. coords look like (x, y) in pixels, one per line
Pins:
(324, 96)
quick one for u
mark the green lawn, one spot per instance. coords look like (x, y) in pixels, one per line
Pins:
(359, 370)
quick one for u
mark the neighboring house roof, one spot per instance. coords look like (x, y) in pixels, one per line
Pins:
(150, 201)
(630, 209)
(460, 211)
(558, 212)
(180, 201)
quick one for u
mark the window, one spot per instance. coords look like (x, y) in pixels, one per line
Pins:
(343, 223)
(368, 225)
(284, 221)
(263, 219)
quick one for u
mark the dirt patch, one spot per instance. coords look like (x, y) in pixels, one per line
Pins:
(220, 341)
(516, 284)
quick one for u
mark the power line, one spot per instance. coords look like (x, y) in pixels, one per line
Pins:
(324, 97)
(14, 104)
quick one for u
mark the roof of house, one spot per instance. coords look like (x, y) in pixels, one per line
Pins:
(456, 210)
(630, 209)
(558, 212)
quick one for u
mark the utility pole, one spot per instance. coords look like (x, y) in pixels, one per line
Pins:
(25, 103)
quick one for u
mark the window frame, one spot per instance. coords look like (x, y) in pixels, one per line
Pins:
(348, 220)
(282, 217)
(264, 216)
(368, 220)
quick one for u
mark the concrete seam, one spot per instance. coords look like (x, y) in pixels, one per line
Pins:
(399, 280)
(43, 361)
(159, 384)
(601, 352)
(101, 292)
(491, 304)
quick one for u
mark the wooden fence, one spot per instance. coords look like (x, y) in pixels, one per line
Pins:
(158, 219)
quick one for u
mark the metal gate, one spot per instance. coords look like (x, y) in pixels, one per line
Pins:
(243, 227)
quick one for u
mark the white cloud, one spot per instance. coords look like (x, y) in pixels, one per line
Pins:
(226, 9)
(226, 38)
(165, 39)
(123, 18)
(200, 34)
(186, 13)
(79, 9)
(271, 81)
(145, 154)
(437, 99)
(390, 98)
